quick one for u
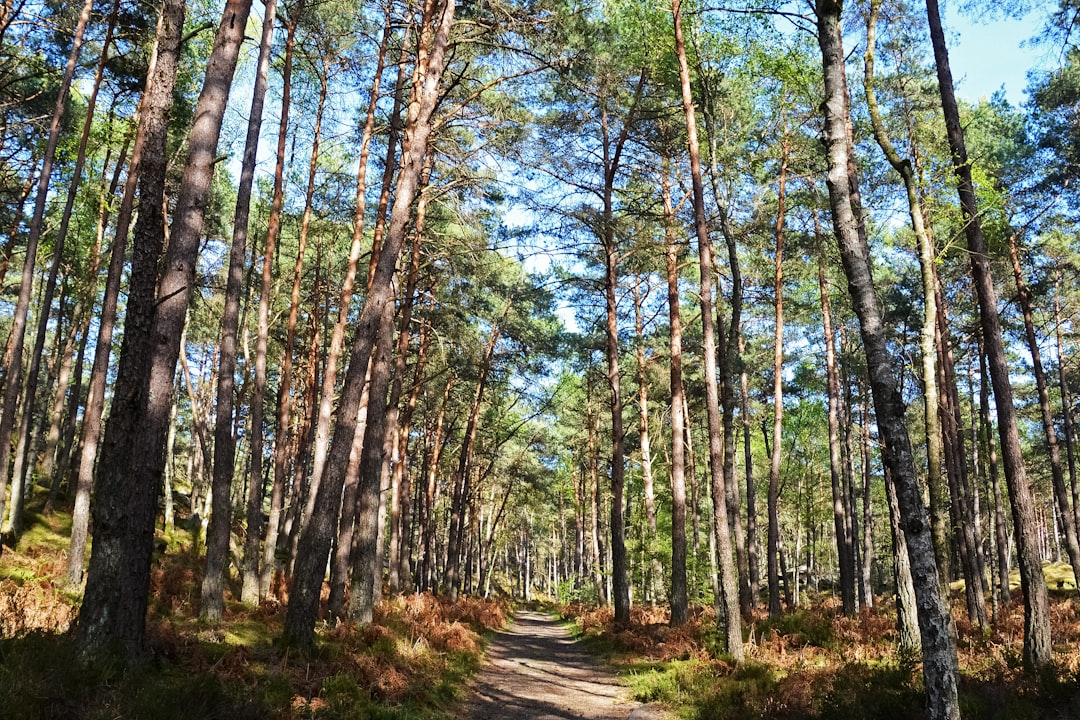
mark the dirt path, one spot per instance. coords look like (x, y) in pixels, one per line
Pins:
(535, 671)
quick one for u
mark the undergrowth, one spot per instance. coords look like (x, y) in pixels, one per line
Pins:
(815, 664)
(411, 662)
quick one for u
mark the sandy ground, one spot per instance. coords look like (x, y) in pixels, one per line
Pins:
(535, 671)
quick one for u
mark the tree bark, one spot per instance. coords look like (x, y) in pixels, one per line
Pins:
(844, 541)
(593, 498)
(928, 334)
(217, 541)
(729, 582)
(940, 665)
(1037, 648)
(273, 231)
(224, 440)
(778, 388)
(152, 123)
(281, 450)
(612, 157)
(397, 421)
(315, 540)
(729, 360)
(907, 619)
(653, 570)
(111, 611)
(678, 394)
(752, 550)
(337, 338)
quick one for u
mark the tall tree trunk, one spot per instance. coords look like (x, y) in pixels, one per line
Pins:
(217, 541)
(153, 112)
(1068, 428)
(844, 540)
(729, 360)
(927, 336)
(653, 570)
(281, 450)
(1061, 491)
(461, 487)
(70, 447)
(114, 608)
(1001, 533)
(346, 540)
(907, 620)
(868, 512)
(612, 156)
(1037, 648)
(778, 387)
(224, 444)
(403, 473)
(397, 421)
(678, 394)
(367, 548)
(273, 231)
(752, 550)
(337, 338)
(315, 540)
(430, 473)
(24, 455)
(961, 508)
(593, 498)
(13, 359)
(68, 357)
(940, 665)
(729, 583)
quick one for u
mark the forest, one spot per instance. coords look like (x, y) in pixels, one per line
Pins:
(336, 332)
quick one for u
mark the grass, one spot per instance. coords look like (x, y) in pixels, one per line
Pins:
(411, 663)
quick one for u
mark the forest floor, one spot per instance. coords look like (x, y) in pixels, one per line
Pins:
(812, 663)
(412, 663)
(422, 655)
(535, 670)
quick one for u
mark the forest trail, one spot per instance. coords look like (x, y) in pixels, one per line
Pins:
(536, 671)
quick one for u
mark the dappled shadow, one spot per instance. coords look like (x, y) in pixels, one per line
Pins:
(536, 671)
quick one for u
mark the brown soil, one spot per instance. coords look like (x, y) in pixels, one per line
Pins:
(535, 671)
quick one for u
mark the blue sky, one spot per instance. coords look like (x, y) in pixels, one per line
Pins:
(989, 54)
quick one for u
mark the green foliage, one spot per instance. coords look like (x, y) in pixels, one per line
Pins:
(803, 627)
